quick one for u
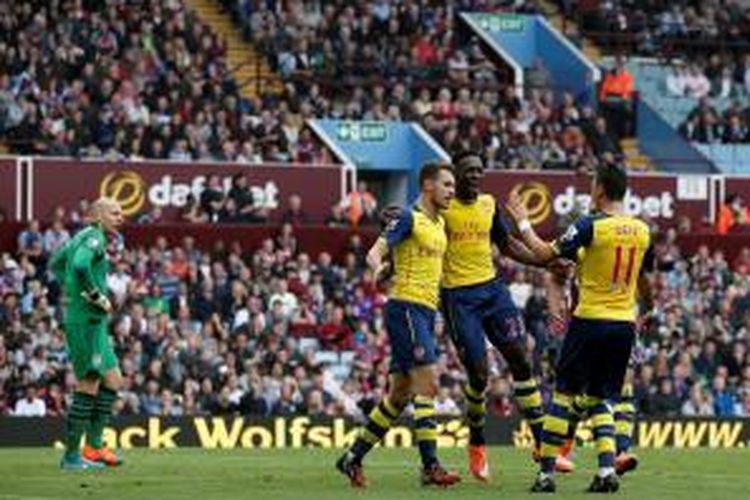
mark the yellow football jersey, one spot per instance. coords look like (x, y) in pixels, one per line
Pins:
(616, 248)
(471, 229)
(418, 244)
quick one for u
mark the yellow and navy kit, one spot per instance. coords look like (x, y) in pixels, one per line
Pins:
(418, 245)
(616, 250)
(472, 228)
(475, 303)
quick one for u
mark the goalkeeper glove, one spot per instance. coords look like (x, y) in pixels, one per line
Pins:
(97, 299)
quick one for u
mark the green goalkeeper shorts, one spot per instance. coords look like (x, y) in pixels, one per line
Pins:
(90, 348)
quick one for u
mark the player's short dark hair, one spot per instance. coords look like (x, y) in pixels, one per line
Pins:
(613, 179)
(431, 170)
(463, 154)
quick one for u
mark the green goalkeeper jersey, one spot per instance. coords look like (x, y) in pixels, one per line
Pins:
(81, 266)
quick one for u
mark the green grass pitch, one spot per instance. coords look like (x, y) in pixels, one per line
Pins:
(308, 474)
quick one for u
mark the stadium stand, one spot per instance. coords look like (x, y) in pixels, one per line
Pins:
(168, 92)
(151, 80)
(692, 64)
(695, 27)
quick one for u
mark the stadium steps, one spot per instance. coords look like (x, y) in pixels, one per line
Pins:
(634, 159)
(250, 69)
(555, 17)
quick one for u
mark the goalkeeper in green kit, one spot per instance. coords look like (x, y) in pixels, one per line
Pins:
(81, 267)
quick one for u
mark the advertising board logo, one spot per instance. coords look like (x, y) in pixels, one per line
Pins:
(536, 198)
(125, 187)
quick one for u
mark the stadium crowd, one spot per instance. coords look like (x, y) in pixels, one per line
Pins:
(273, 330)
(653, 28)
(93, 79)
(705, 124)
(720, 77)
(422, 66)
(146, 80)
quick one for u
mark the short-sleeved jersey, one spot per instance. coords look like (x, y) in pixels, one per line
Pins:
(418, 244)
(616, 248)
(471, 229)
(82, 265)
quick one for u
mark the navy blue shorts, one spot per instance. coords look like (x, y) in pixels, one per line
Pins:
(411, 330)
(479, 312)
(594, 357)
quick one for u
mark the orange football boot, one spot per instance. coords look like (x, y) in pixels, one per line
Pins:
(478, 465)
(102, 455)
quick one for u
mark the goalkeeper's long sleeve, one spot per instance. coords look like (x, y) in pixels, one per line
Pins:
(82, 263)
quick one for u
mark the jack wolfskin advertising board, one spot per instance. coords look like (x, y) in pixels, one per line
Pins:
(302, 432)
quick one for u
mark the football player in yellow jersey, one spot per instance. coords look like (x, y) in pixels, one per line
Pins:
(596, 350)
(623, 406)
(416, 239)
(477, 305)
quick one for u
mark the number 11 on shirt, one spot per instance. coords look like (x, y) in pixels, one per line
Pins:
(629, 266)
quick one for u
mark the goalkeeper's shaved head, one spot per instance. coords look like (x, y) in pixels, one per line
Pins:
(107, 212)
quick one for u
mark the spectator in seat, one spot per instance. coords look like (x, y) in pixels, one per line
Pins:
(676, 81)
(55, 236)
(247, 210)
(665, 401)
(212, 198)
(361, 205)
(723, 399)
(732, 213)
(337, 218)
(192, 211)
(335, 333)
(699, 404)
(31, 405)
(707, 131)
(601, 140)
(689, 129)
(30, 241)
(735, 131)
(294, 214)
(697, 84)
(616, 99)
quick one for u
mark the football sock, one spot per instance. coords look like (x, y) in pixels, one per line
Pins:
(529, 400)
(77, 422)
(378, 422)
(426, 429)
(101, 416)
(475, 415)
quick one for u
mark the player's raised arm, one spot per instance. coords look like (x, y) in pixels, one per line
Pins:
(578, 235)
(509, 245)
(518, 251)
(540, 250)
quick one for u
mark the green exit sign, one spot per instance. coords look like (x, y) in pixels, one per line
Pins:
(362, 132)
(502, 22)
